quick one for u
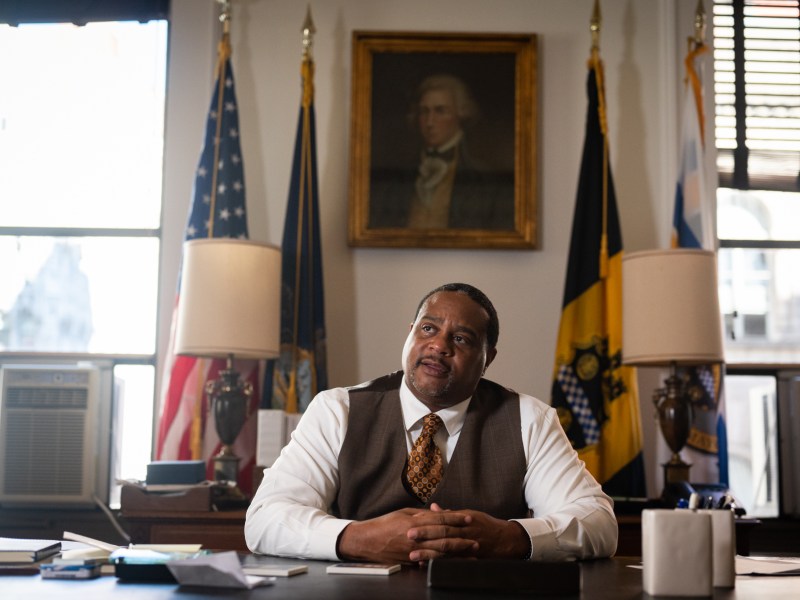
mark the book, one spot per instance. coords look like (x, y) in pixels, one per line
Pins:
(81, 556)
(76, 537)
(274, 570)
(62, 571)
(99, 546)
(363, 568)
(19, 550)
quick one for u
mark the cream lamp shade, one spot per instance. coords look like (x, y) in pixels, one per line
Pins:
(229, 302)
(670, 308)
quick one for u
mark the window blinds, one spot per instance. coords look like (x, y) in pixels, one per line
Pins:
(757, 93)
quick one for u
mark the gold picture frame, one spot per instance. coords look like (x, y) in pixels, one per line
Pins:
(481, 191)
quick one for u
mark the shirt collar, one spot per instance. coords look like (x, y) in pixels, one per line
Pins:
(447, 146)
(413, 411)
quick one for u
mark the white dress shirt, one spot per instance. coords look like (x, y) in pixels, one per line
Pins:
(289, 515)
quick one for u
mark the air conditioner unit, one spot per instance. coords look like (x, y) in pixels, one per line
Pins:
(50, 440)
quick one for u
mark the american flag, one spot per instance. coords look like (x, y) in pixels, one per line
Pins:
(185, 430)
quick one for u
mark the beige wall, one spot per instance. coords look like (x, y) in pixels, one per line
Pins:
(371, 293)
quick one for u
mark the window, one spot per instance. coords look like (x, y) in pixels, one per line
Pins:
(751, 410)
(757, 124)
(757, 96)
(81, 147)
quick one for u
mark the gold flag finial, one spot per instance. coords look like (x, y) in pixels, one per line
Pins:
(699, 24)
(595, 25)
(308, 33)
(225, 15)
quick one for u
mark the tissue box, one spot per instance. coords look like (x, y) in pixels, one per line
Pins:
(676, 553)
(176, 472)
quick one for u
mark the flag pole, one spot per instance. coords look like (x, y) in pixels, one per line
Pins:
(299, 373)
(223, 53)
(597, 66)
(700, 25)
(307, 75)
(697, 46)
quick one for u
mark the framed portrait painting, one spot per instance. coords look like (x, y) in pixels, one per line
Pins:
(443, 140)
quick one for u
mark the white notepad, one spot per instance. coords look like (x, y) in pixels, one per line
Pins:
(275, 570)
(363, 568)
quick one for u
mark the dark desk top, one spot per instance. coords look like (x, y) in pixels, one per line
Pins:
(609, 579)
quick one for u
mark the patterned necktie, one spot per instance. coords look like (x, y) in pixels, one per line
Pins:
(425, 467)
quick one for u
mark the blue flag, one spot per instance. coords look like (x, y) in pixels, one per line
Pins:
(218, 211)
(292, 380)
(707, 448)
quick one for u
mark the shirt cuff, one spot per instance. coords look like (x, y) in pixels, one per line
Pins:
(530, 537)
(543, 540)
(322, 543)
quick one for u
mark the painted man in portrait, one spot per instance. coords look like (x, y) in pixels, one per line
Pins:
(448, 187)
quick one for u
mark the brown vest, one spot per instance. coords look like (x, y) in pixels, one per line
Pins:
(485, 473)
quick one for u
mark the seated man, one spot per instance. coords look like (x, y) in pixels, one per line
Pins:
(432, 461)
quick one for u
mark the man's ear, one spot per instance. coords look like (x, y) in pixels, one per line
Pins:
(490, 355)
(410, 327)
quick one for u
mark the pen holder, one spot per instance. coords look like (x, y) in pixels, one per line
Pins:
(676, 553)
(723, 542)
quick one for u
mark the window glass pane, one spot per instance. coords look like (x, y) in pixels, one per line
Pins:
(134, 391)
(79, 294)
(81, 124)
(750, 403)
(757, 215)
(759, 293)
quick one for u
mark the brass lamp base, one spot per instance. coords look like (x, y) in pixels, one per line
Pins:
(230, 402)
(674, 415)
(226, 465)
(675, 471)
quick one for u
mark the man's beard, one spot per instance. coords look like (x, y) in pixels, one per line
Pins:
(438, 392)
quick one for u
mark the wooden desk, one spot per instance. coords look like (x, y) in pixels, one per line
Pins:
(215, 530)
(608, 579)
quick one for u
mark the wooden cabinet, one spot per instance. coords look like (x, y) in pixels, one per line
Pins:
(215, 530)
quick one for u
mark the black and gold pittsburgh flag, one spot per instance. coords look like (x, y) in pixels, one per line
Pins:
(595, 395)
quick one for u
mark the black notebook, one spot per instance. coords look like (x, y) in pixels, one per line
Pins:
(18, 550)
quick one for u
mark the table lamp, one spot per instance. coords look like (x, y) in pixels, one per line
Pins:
(671, 317)
(229, 308)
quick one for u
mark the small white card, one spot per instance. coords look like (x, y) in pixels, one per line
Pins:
(275, 570)
(363, 568)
